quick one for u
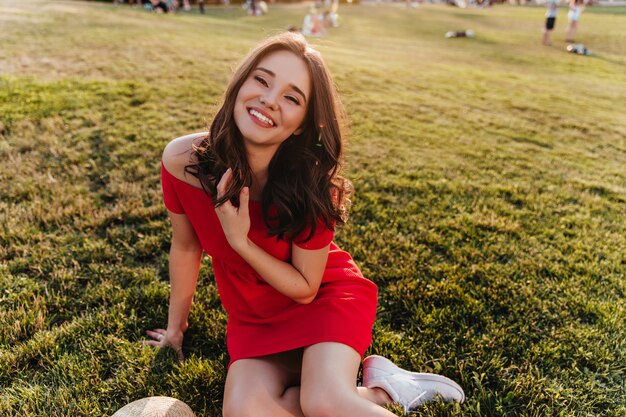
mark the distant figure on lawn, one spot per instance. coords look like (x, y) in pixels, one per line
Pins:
(160, 6)
(256, 7)
(576, 8)
(469, 33)
(317, 20)
(261, 193)
(553, 8)
(313, 24)
(157, 6)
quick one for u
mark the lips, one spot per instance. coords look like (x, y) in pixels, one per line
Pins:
(261, 118)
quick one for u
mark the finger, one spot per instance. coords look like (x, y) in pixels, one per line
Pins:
(152, 333)
(244, 198)
(224, 182)
(181, 357)
(155, 334)
(151, 343)
(162, 331)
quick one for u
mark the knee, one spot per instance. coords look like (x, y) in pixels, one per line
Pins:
(319, 404)
(247, 408)
(232, 409)
(320, 409)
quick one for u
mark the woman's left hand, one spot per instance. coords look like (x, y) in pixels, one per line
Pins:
(235, 220)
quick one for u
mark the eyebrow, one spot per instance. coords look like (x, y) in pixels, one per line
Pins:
(290, 85)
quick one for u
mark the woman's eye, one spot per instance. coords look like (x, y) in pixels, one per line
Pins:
(261, 80)
(291, 98)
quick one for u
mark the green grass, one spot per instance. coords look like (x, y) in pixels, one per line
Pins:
(490, 205)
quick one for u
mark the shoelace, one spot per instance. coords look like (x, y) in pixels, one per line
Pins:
(408, 405)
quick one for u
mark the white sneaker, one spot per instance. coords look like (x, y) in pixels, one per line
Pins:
(409, 389)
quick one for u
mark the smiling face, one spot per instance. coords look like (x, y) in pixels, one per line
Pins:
(272, 102)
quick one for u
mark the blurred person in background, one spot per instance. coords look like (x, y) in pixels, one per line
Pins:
(553, 8)
(576, 8)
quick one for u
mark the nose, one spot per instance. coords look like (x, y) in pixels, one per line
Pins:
(269, 101)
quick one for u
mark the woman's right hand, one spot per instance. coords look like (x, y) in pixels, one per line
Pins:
(167, 338)
(235, 221)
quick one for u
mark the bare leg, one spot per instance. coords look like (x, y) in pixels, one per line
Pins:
(329, 384)
(375, 395)
(571, 31)
(265, 386)
(546, 37)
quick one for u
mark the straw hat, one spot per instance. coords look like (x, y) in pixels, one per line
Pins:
(155, 407)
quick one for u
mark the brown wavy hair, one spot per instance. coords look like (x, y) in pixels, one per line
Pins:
(304, 184)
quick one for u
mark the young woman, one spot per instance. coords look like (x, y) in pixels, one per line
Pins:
(576, 8)
(261, 193)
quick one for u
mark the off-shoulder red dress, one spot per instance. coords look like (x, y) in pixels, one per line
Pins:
(262, 321)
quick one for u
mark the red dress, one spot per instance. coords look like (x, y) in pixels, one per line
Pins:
(262, 321)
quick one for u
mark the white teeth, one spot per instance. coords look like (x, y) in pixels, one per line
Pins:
(261, 117)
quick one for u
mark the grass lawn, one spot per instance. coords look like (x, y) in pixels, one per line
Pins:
(490, 204)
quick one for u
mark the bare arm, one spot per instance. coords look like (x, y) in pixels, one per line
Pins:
(185, 257)
(184, 264)
(299, 280)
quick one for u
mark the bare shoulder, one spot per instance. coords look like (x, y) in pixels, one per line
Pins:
(177, 155)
